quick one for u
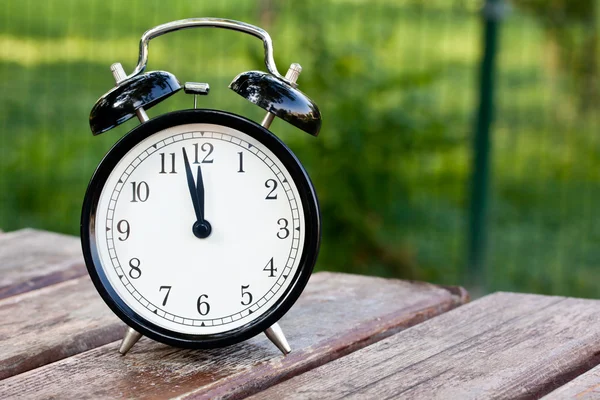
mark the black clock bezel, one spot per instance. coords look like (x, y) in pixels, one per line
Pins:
(307, 260)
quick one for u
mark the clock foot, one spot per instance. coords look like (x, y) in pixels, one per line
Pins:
(131, 337)
(275, 335)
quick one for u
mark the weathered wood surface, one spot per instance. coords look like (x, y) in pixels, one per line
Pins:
(49, 324)
(336, 314)
(584, 387)
(30, 259)
(504, 345)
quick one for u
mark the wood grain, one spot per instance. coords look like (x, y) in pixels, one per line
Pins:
(49, 324)
(503, 346)
(336, 314)
(584, 387)
(30, 259)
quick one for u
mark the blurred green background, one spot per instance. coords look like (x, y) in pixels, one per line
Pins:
(397, 83)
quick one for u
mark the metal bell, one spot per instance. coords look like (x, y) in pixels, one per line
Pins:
(279, 98)
(120, 103)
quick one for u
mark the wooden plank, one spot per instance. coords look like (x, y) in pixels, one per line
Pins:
(502, 346)
(584, 387)
(49, 324)
(336, 314)
(30, 259)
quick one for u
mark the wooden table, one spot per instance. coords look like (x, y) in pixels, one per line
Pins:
(352, 336)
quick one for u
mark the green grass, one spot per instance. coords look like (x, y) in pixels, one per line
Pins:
(396, 83)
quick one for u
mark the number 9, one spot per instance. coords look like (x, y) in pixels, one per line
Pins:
(123, 230)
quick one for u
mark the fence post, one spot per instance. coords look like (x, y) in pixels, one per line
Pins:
(493, 12)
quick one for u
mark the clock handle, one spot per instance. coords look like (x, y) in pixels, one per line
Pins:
(209, 23)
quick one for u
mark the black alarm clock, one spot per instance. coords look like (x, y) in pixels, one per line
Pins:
(200, 228)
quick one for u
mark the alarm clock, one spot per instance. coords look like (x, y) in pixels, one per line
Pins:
(200, 228)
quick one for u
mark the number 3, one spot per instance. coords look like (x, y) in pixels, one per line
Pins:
(283, 231)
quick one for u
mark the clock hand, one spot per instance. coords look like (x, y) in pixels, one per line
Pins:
(192, 188)
(201, 227)
(200, 191)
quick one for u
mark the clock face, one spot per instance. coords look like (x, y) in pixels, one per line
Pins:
(245, 253)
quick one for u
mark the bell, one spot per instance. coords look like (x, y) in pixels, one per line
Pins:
(279, 98)
(120, 103)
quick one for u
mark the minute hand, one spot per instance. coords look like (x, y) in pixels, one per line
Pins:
(198, 207)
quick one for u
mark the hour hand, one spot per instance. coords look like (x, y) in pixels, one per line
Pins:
(200, 191)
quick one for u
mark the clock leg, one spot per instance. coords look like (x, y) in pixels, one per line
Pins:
(275, 335)
(130, 338)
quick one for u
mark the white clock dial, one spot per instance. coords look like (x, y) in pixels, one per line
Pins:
(153, 260)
